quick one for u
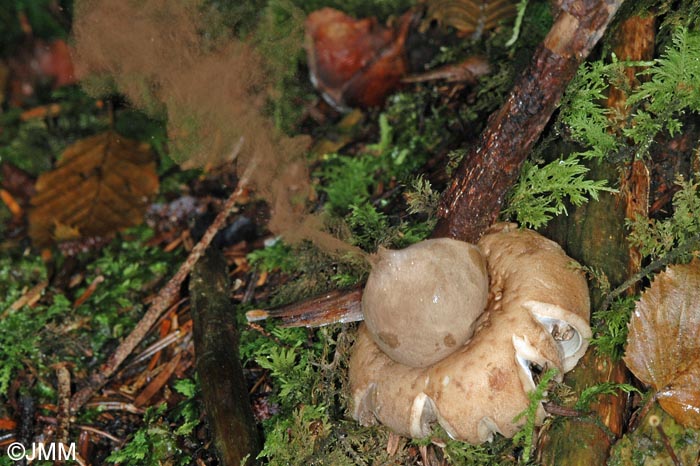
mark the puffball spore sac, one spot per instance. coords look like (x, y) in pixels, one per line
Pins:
(536, 318)
(421, 303)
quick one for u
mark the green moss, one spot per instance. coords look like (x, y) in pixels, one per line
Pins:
(610, 328)
(670, 91)
(22, 332)
(291, 369)
(129, 269)
(583, 113)
(645, 447)
(276, 257)
(542, 192)
(52, 330)
(410, 131)
(525, 437)
(158, 442)
(347, 181)
(308, 371)
(292, 440)
(590, 394)
(657, 238)
(655, 106)
(465, 454)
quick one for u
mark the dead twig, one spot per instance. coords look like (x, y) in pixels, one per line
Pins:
(157, 383)
(558, 410)
(115, 406)
(88, 291)
(654, 266)
(27, 299)
(101, 433)
(158, 346)
(655, 422)
(63, 416)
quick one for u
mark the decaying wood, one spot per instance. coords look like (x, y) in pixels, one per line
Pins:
(634, 40)
(473, 201)
(216, 342)
(635, 187)
(165, 298)
(596, 234)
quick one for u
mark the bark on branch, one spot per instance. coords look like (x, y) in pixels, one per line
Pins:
(216, 342)
(474, 199)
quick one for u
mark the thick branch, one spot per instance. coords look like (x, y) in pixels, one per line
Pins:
(216, 341)
(474, 199)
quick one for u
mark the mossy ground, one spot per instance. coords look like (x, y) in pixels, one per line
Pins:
(379, 188)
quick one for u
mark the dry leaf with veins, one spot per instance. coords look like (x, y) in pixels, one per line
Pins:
(100, 184)
(663, 347)
(471, 17)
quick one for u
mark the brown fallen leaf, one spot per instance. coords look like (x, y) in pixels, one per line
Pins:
(355, 63)
(471, 17)
(663, 347)
(100, 184)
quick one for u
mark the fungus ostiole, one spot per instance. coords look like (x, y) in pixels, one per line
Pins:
(536, 316)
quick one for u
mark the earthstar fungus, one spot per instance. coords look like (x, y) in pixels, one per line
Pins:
(536, 317)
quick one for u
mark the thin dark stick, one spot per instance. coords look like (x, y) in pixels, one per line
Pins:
(63, 416)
